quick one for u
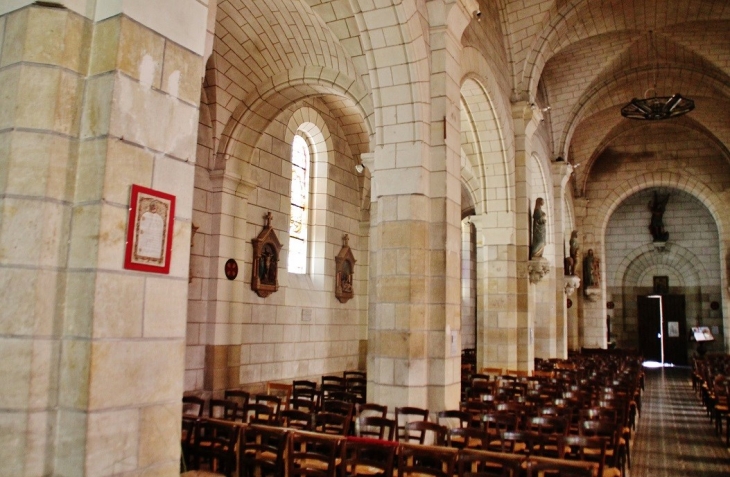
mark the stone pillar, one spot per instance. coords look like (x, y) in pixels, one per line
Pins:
(561, 172)
(414, 327)
(225, 312)
(498, 290)
(93, 352)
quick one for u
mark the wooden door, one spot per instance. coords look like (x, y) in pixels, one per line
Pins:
(675, 347)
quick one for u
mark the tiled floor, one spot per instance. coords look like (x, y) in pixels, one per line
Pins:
(674, 436)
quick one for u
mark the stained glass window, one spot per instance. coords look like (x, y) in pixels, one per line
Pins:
(299, 206)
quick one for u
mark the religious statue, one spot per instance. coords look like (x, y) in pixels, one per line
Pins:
(539, 221)
(588, 264)
(656, 225)
(572, 259)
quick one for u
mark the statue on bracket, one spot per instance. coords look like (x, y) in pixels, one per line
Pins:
(264, 272)
(345, 265)
(656, 225)
(539, 222)
(572, 259)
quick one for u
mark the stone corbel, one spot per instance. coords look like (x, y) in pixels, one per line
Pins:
(571, 284)
(538, 268)
(592, 294)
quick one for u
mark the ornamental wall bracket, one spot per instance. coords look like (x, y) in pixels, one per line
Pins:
(572, 283)
(538, 268)
(592, 294)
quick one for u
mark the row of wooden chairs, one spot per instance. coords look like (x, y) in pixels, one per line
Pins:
(270, 451)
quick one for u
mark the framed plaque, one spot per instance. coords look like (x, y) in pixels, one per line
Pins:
(265, 269)
(149, 231)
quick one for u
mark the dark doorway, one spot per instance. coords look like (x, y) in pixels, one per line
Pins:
(675, 329)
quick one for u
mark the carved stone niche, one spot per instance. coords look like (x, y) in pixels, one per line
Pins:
(345, 266)
(265, 273)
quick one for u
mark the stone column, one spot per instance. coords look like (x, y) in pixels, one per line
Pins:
(415, 240)
(561, 176)
(225, 313)
(92, 375)
(498, 291)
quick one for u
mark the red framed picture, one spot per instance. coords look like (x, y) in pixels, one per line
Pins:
(149, 233)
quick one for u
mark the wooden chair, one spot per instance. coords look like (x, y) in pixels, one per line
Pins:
(466, 438)
(615, 451)
(454, 418)
(262, 451)
(223, 409)
(424, 432)
(545, 467)
(193, 406)
(331, 423)
(479, 463)
(355, 374)
(362, 457)
(259, 413)
(241, 398)
(311, 454)
(419, 460)
(522, 442)
(186, 441)
(301, 404)
(297, 419)
(494, 424)
(273, 402)
(376, 427)
(282, 391)
(214, 446)
(372, 409)
(404, 415)
(587, 449)
(551, 428)
(492, 371)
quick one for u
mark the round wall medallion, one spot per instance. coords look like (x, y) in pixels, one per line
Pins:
(570, 302)
(610, 305)
(231, 269)
(714, 305)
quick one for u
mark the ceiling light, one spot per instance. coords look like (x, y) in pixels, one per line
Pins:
(657, 107)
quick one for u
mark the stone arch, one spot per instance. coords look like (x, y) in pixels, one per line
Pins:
(348, 97)
(640, 262)
(597, 216)
(484, 143)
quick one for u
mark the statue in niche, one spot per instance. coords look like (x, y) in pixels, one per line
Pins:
(591, 270)
(572, 259)
(656, 225)
(539, 221)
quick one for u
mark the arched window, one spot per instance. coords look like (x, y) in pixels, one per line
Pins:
(298, 221)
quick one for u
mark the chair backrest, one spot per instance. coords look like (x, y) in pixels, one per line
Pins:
(260, 413)
(372, 409)
(564, 468)
(426, 460)
(281, 390)
(355, 374)
(223, 409)
(262, 451)
(424, 432)
(376, 427)
(467, 438)
(477, 463)
(377, 458)
(522, 442)
(241, 398)
(193, 406)
(274, 402)
(454, 418)
(331, 423)
(496, 422)
(297, 419)
(332, 379)
(302, 404)
(407, 414)
(584, 448)
(343, 408)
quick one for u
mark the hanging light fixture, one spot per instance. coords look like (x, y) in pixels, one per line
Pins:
(657, 107)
